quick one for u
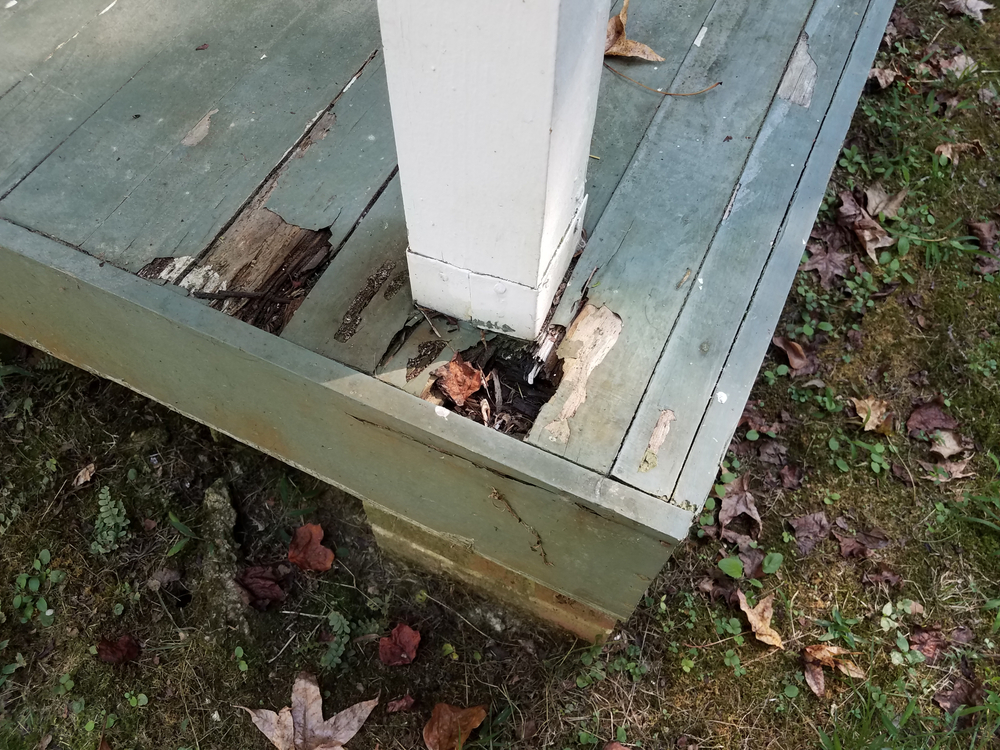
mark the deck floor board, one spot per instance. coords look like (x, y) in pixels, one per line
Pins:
(211, 125)
(656, 232)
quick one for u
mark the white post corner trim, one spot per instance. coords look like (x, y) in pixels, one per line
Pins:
(493, 105)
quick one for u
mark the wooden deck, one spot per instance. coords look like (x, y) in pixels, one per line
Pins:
(201, 201)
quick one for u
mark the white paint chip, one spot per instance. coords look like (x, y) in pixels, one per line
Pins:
(701, 36)
(723, 398)
(113, 4)
(441, 412)
(10, 4)
(799, 82)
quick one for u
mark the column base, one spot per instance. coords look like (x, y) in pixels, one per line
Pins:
(490, 302)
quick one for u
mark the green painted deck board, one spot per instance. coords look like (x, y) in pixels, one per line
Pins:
(754, 334)
(130, 189)
(363, 298)
(685, 376)
(624, 110)
(657, 228)
(379, 442)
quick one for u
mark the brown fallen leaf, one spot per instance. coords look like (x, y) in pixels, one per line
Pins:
(301, 727)
(972, 8)
(884, 76)
(791, 476)
(400, 704)
(821, 655)
(450, 726)
(400, 647)
(738, 502)
(872, 411)
(201, 47)
(306, 552)
(884, 575)
(723, 588)
(952, 151)
(861, 544)
(827, 263)
(122, 651)
(759, 618)
(263, 585)
(948, 443)
(616, 42)
(105, 745)
(753, 562)
(868, 231)
(947, 471)
(614, 745)
(880, 202)
(84, 475)
(988, 259)
(928, 417)
(458, 380)
(810, 530)
(928, 641)
(964, 692)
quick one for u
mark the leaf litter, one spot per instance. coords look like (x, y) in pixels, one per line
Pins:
(301, 727)
(820, 655)
(618, 44)
(450, 726)
(759, 618)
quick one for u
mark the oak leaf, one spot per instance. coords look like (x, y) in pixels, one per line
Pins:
(616, 42)
(301, 727)
(759, 618)
(873, 412)
(971, 8)
(450, 726)
(458, 380)
(827, 263)
(880, 202)
(400, 647)
(952, 151)
(810, 530)
(306, 552)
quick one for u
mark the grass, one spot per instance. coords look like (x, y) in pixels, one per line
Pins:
(685, 670)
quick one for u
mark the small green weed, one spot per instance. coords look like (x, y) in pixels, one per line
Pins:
(31, 588)
(111, 525)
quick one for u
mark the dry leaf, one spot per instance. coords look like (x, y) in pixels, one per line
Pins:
(306, 552)
(972, 8)
(301, 727)
(957, 65)
(450, 726)
(883, 575)
(946, 471)
(262, 584)
(616, 43)
(791, 477)
(930, 642)
(964, 692)
(870, 233)
(947, 443)
(824, 655)
(872, 412)
(862, 543)
(399, 648)
(103, 746)
(458, 380)
(928, 417)
(951, 151)
(810, 530)
(827, 263)
(739, 502)
(985, 233)
(614, 745)
(84, 475)
(884, 76)
(122, 651)
(759, 618)
(400, 704)
(880, 202)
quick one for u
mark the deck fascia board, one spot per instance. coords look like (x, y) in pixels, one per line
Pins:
(345, 427)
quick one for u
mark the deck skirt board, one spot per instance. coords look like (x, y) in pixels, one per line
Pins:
(700, 343)
(656, 231)
(129, 189)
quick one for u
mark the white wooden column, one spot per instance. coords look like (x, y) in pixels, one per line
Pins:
(493, 105)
